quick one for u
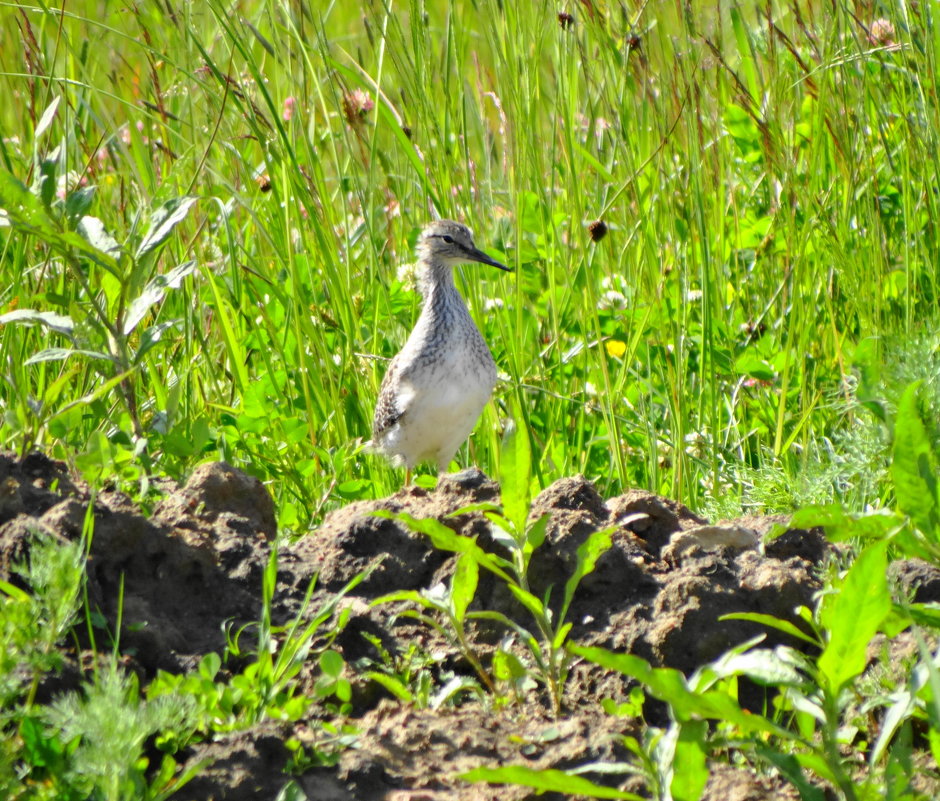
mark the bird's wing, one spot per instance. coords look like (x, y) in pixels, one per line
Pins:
(388, 410)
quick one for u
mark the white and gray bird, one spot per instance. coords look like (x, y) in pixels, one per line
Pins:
(437, 385)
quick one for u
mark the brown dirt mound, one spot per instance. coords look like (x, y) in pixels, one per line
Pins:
(196, 564)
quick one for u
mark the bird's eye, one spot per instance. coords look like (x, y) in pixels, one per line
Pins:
(448, 239)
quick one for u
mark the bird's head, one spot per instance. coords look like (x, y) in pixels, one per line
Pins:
(449, 243)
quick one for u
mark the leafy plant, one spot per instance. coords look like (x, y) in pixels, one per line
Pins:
(35, 621)
(32, 623)
(64, 750)
(812, 697)
(724, 235)
(546, 781)
(267, 686)
(511, 530)
(118, 284)
(451, 604)
(103, 730)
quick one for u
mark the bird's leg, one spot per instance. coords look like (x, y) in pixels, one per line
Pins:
(407, 476)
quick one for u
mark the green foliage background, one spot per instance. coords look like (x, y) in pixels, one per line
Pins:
(767, 177)
(723, 224)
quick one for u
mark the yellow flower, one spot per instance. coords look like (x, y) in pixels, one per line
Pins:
(615, 348)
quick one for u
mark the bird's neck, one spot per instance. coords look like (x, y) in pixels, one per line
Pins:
(441, 298)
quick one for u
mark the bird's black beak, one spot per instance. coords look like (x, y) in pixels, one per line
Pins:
(480, 256)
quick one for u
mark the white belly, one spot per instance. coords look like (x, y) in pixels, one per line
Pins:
(440, 408)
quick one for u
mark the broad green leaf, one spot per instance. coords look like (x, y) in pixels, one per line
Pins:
(912, 544)
(154, 293)
(669, 685)
(588, 553)
(875, 525)
(61, 354)
(23, 208)
(899, 619)
(535, 534)
(40, 749)
(151, 336)
(914, 465)
(854, 615)
(69, 241)
(840, 525)
(47, 180)
(92, 230)
(209, 665)
(331, 663)
(515, 469)
(814, 515)
(57, 322)
(894, 716)
(47, 117)
(764, 666)
(562, 634)
(528, 600)
(690, 763)
(789, 766)
(507, 666)
(933, 738)
(464, 584)
(927, 614)
(79, 201)
(446, 539)
(548, 780)
(773, 622)
(163, 221)
(453, 686)
(750, 364)
(817, 763)
(394, 685)
(666, 684)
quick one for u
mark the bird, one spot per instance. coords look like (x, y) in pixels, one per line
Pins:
(436, 387)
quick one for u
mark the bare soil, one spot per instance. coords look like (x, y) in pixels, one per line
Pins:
(195, 565)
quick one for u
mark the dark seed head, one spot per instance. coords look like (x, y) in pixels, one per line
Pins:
(565, 19)
(753, 330)
(597, 230)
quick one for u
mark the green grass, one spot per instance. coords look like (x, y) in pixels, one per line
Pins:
(769, 190)
(740, 339)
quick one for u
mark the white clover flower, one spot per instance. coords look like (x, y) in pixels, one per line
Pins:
(408, 275)
(612, 299)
